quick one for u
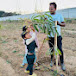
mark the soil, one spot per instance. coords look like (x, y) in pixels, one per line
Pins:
(12, 51)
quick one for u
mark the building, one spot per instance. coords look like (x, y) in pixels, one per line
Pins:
(68, 13)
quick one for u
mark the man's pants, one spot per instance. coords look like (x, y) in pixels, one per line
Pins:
(59, 45)
(30, 60)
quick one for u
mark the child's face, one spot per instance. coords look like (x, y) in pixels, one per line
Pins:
(28, 36)
(52, 9)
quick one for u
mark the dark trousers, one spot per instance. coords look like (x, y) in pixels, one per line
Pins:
(30, 60)
(59, 45)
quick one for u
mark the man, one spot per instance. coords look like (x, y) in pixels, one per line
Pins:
(60, 23)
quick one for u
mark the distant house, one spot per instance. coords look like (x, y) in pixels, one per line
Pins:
(68, 13)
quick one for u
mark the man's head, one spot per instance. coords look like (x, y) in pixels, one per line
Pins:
(25, 35)
(52, 7)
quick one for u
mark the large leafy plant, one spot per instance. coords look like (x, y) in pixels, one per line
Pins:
(44, 23)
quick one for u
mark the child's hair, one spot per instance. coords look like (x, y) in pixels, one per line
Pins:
(23, 34)
(24, 28)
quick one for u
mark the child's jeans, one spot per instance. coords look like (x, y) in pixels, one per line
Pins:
(30, 60)
(25, 60)
(59, 45)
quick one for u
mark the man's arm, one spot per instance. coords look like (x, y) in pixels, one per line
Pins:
(61, 24)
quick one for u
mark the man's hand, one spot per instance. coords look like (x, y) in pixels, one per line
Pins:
(61, 24)
(45, 19)
(58, 23)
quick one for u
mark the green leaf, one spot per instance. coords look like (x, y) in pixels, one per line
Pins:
(37, 16)
(48, 15)
(44, 29)
(36, 28)
(8, 61)
(39, 22)
(56, 53)
(15, 51)
(40, 27)
(4, 41)
(59, 51)
(15, 40)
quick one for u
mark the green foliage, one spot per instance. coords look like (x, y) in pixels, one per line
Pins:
(8, 61)
(44, 23)
(15, 40)
(4, 41)
(36, 28)
(57, 51)
(15, 51)
(55, 73)
(1, 27)
(9, 20)
(4, 14)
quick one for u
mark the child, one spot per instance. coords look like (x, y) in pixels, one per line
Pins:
(36, 40)
(26, 50)
(31, 45)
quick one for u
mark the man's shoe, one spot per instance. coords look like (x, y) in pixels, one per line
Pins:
(63, 66)
(51, 64)
(33, 74)
(27, 71)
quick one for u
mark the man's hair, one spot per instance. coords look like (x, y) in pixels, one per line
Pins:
(53, 3)
(24, 28)
(23, 34)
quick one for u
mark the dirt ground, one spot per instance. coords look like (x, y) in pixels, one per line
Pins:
(12, 50)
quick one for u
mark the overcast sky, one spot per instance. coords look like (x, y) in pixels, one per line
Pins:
(28, 6)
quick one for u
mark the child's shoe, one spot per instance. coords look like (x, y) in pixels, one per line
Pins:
(33, 74)
(27, 71)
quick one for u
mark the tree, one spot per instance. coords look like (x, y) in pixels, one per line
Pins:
(45, 24)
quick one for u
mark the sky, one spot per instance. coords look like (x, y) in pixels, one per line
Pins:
(28, 6)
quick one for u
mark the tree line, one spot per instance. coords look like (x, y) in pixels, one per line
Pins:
(4, 14)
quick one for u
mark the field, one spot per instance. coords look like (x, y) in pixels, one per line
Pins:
(12, 50)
